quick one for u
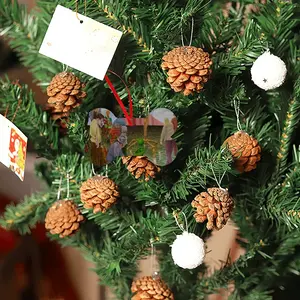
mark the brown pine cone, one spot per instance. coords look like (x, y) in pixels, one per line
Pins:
(99, 193)
(245, 151)
(63, 218)
(140, 165)
(151, 289)
(215, 206)
(188, 69)
(65, 93)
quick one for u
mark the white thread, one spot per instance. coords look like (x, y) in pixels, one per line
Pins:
(192, 32)
(237, 113)
(93, 170)
(218, 183)
(59, 188)
(179, 225)
(68, 186)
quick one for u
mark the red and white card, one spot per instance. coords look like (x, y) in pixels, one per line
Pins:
(13, 147)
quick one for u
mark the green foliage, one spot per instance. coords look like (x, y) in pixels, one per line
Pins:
(267, 206)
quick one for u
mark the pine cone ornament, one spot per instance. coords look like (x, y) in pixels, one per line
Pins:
(151, 289)
(65, 92)
(188, 69)
(140, 165)
(63, 218)
(215, 206)
(245, 151)
(99, 193)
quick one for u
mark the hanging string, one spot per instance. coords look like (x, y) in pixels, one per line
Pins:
(237, 113)
(175, 214)
(181, 33)
(152, 256)
(77, 5)
(129, 116)
(68, 186)
(6, 111)
(59, 188)
(217, 181)
(93, 170)
(192, 32)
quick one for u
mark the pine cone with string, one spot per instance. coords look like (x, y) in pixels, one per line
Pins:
(140, 165)
(245, 150)
(151, 289)
(63, 218)
(215, 206)
(188, 69)
(65, 93)
(99, 193)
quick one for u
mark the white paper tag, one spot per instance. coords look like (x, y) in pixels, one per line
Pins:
(12, 147)
(88, 46)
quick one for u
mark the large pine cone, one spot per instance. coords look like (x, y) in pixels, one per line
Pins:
(63, 218)
(140, 165)
(245, 151)
(215, 206)
(65, 92)
(99, 193)
(188, 69)
(151, 289)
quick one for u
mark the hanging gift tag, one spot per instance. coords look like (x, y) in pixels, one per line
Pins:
(12, 147)
(93, 43)
(111, 137)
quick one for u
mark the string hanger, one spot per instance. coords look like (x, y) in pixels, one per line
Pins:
(176, 217)
(76, 10)
(219, 182)
(192, 32)
(154, 271)
(68, 186)
(59, 188)
(236, 104)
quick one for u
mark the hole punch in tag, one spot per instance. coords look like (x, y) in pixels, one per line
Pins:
(95, 44)
(12, 147)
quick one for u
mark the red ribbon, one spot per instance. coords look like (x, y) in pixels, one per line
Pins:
(129, 116)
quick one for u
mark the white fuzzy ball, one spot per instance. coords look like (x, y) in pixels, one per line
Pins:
(188, 250)
(268, 71)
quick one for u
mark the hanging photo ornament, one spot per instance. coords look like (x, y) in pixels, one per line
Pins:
(268, 71)
(13, 147)
(145, 143)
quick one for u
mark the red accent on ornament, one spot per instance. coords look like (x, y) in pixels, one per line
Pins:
(129, 116)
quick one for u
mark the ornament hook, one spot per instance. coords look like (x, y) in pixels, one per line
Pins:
(175, 214)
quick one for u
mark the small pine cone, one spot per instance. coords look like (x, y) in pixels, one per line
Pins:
(65, 93)
(99, 193)
(140, 165)
(245, 151)
(151, 289)
(188, 69)
(63, 218)
(215, 206)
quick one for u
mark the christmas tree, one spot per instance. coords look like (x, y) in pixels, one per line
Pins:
(229, 71)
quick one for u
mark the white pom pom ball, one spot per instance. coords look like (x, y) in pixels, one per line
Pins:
(188, 250)
(268, 71)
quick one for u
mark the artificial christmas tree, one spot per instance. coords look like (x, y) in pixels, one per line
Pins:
(232, 41)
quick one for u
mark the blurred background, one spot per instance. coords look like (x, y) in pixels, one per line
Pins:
(32, 267)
